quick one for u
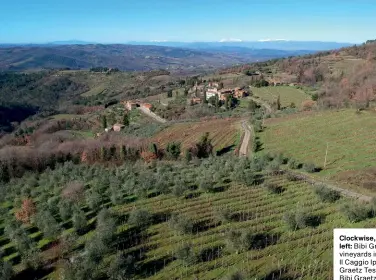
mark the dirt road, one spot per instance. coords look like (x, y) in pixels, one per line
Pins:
(243, 152)
(262, 103)
(316, 183)
(152, 115)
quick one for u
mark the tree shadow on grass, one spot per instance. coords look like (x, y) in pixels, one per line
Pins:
(210, 254)
(40, 273)
(4, 241)
(32, 230)
(15, 260)
(131, 237)
(67, 224)
(225, 150)
(192, 195)
(150, 268)
(218, 189)
(241, 216)
(130, 199)
(160, 217)
(193, 187)
(263, 240)
(259, 146)
(227, 181)
(203, 226)
(315, 220)
(259, 179)
(153, 194)
(9, 250)
(279, 274)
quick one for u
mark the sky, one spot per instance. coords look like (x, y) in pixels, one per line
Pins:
(121, 21)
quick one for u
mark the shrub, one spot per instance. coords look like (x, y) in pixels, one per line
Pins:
(240, 176)
(273, 167)
(233, 241)
(27, 211)
(309, 167)
(280, 158)
(95, 250)
(116, 197)
(223, 215)
(173, 150)
(291, 177)
(178, 190)
(205, 185)
(139, 218)
(258, 126)
(203, 148)
(74, 191)
(187, 155)
(65, 209)
(289, 219)
(6, 270)
(32, 258)
(327, 195)
(356, 213)
(47, 224)
(302, 219)
(123, 267)
(79, 220)
(293, 164)
(181, 224)
(94, 200)
(106, 226)
(185, 254)
(273, 188)
(238, 241)
(297, 220)
(308, 105)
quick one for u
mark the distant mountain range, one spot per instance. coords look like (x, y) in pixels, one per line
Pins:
(144, 56)
(262, 44)
(272, 44)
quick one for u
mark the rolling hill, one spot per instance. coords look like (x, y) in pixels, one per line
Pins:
(131, 57)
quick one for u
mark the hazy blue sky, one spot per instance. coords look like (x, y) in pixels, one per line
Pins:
(190, 20)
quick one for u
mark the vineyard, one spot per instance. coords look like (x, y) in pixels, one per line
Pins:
(348, 135)
(287, 95)
(225, 133)
(213, 220)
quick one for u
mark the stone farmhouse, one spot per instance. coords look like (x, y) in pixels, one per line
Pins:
(223, 94)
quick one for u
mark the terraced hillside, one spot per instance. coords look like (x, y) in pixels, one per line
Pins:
(349, 136)
(225, 133)
(206, 222)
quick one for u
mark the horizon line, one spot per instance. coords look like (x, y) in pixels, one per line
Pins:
(223, 41)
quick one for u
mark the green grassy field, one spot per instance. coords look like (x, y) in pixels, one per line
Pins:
(286, 93)
(350, 138)
(293, 254)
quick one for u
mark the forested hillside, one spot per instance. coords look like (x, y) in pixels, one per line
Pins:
(341, 77)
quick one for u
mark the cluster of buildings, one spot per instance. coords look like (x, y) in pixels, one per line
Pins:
(222, 94)
(133, 104)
